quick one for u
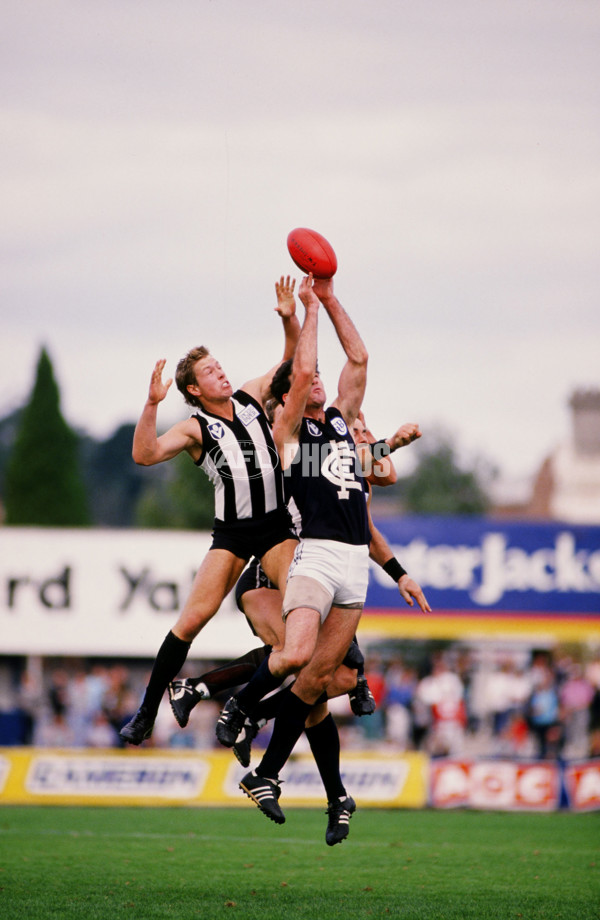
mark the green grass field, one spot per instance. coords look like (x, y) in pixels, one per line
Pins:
(213, 863)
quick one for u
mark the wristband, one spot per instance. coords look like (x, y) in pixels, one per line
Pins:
(380, 449)
(393, 568)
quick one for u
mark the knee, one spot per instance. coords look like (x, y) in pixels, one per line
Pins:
(294, 660)
(314, 684)
(191, 622)
(344, 680)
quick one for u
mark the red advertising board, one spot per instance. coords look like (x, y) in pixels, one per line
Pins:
(582, 782)
(495, 784)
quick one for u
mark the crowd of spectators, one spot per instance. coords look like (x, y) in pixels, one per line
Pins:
(449, 703)
(545, 708)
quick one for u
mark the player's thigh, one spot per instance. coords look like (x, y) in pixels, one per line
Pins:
(262, 606)
(276, 562)
(214, 579)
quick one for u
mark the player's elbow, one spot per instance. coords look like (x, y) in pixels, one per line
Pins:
(387, 478)
(303, 375)
(141, 457)
(360, 357)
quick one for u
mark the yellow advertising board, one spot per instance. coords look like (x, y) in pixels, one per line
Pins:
(95, 777)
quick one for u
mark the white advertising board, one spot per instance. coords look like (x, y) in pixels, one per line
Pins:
(105, 592)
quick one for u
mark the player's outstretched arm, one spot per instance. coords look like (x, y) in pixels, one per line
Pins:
(286, 308)
(149, 449)
(353, 378)
(381, 469)
(404, 436)
(289, 419)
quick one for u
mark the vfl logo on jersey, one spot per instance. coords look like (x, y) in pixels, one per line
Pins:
(313, 429)
(340, 425)
(339, 468)
(248, 415)
(217, 431)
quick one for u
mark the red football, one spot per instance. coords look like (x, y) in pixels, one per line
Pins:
(312, 253)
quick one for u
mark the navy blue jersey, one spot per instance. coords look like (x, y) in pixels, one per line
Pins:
(241, 460)
(325, 482)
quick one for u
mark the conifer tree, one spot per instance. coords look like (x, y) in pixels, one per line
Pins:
(43, 483)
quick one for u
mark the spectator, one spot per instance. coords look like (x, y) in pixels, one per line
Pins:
(507, 693)
(100, 733)
(119, 701)
(401, 688)
(29, 703)
(442, 693)
(575, 697)
(58, 692)
(544, 716)
(55, 732)
(592, 672)
(373, 726)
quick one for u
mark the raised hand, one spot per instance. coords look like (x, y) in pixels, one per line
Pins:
(405, 435)
(286, 304)
(306, 291)
(158, 390)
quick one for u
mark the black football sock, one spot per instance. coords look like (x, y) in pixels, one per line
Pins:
(261, 683)
(289, 725)
(167, 665)
(235, 672)
(269, 707)
(324, 743)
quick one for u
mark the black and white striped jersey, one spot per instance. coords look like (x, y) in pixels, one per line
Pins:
(241, 460)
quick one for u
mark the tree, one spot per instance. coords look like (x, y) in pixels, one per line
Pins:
(43, 483)
(186, 501)
(113, 480)
(439, 485)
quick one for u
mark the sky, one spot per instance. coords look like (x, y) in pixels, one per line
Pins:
(156, 153)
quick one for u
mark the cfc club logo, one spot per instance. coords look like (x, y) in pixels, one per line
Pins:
(340, 426)
(339, 468)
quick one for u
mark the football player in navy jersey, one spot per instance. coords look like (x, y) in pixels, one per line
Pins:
(327, 581)
(230, 438)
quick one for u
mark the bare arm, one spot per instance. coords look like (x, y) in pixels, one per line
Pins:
(380, 473)
(353, 378)
(149, 449)
(286, 308)
(404, 436)
(289, 419)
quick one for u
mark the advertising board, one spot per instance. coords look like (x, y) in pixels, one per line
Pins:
(118, 592)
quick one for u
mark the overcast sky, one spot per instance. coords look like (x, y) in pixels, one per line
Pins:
(156, 153)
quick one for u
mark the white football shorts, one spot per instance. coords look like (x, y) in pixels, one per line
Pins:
(340, 569)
